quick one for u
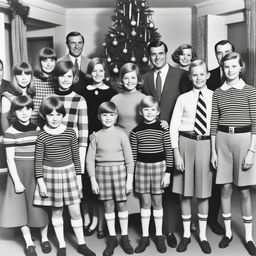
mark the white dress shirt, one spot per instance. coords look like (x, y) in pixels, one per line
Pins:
(164, 70)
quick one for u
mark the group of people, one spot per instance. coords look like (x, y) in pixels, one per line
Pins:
(169, 135)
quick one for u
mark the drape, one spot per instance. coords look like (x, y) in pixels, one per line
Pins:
(202, 38)
(250, 6)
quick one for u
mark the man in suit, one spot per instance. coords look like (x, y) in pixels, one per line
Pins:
(216, 75)
(215, 80)
(75, 45)
(163, 83)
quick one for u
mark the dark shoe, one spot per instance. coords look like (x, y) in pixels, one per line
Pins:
(205, 246)
(217, 228)
(89, 231)
(225, 241)
(171, 240)
(184, 242)
(143, 244)
(112, 243)
(46, 247)
(85, 228)
(61, 251)
(250, 247)
(83, 249)
(125, 244)
(30, 250)
(160, 244)
(101, 234)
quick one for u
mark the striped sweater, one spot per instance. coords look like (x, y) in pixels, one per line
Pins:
(23, 138)
(56, 150)
(234, 107)
(151, 143)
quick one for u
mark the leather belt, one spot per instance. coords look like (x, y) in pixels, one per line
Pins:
(194, 136)
(234, 129)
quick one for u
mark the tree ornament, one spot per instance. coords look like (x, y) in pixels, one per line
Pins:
(133, 22)
(115, 69)
(143, 4)
(109, 59)
(104, 44)
(133, 59)
(125, 48)
(144, 59)
(114, 42)
(151, 25)
(133, 33)
(122, 34)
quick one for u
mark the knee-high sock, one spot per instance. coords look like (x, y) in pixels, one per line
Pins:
(202, 220)
(158, 218)
(248, 228)
(123, 220)
(44, 233)
(145, 218)
(110, 219)
(77, 226)
(58, 228)
(227, 224)
(186, 220)
(27, 235)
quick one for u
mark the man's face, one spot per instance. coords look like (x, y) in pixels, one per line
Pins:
(158, 56)
(222, 50)
(75, 45)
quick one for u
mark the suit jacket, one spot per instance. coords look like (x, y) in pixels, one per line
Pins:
(214, 81)
(170, 92)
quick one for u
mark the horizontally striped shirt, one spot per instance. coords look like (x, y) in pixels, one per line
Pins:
(56, 150)
(234, 107)
(76, 114)
(151, 143)
(23, 138)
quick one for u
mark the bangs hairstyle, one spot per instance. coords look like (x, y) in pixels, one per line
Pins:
(20, 102)
(127, 68)
(91, 65)
(107, 107)
(44, 54)
(197, 63)
(147, 102)
(179, 51)
(232, 56)
(17, 70)
(50, 103)
(62, 67)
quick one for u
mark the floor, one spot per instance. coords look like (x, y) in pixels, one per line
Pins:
(11, 242)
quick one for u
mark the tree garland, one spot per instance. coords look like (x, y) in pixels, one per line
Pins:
(17, 8)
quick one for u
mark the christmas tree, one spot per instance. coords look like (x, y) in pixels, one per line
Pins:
(131, 30)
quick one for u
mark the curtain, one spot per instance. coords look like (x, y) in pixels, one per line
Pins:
(19, 40)
(202, 38)
(250, 6)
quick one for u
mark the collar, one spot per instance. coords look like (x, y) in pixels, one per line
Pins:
(163, 70)
(63, 92)
(24, 128)
(240, 85)
(55, 131)
(101, 87)
(73, 59)
(204, 91)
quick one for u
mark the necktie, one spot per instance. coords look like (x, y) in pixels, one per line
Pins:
(76, 77)
(158, 86)
(200, 121)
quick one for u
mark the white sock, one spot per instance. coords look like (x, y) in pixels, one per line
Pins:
(186, 220)
(158, 218)
(44, 233)
(87, 220)
(248, 228)
(77, 226)
(58, 228)
(145, 218)
(110, 219)
(94, 222)
(227, 224)
(202, 220)
(123, 220)
(27, 235)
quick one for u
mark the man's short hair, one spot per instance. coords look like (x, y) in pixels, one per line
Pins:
(73, 33)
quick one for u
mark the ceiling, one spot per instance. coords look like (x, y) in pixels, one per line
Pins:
(111, 3)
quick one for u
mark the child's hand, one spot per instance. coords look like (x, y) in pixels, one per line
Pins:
(214, 160)
(164, 124)
(42, 188)
(1, 139)
(129, 183)
(248, 161)
(178, 161)
(79, 182)
(19, 188)
(91, 137)
(165, 182)
(95, 186)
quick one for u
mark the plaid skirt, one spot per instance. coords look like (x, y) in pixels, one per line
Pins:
(62, 187)
(148, 177)
(112, 182)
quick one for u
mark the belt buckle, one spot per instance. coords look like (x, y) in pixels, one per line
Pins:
(198, 137)
(231, 129)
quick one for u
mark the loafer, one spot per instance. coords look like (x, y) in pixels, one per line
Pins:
(143, 244)
(217, 228)
(46, 247)
(205, 246)
(112, 243)
(89, 231)
(61, 251)
(101, 234)
(171, 240)
(160, 244)
(250, 247)
(126, 245)
(84, 250)
(184, 242)
(30, 250)
(225, 241)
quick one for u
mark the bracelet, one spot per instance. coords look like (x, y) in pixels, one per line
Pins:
(251, 150)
